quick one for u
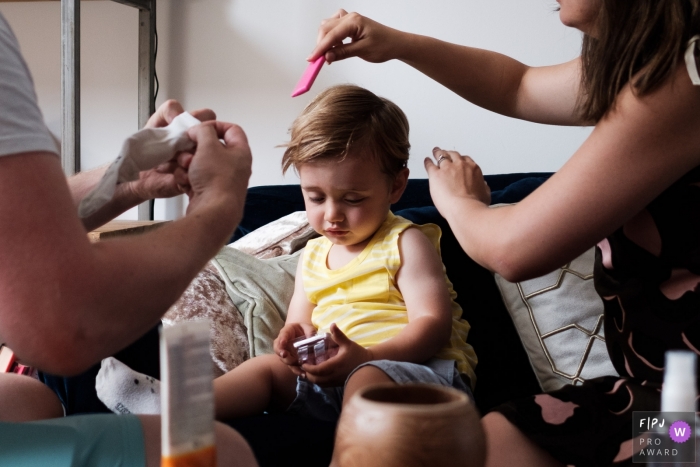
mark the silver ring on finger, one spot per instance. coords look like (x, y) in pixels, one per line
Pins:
(442, 158)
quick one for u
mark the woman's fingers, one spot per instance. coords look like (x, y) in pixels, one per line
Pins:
(443, 156)
(453, 174)
(369, 40)
(339, 14)
(333, 32)
(327, 25)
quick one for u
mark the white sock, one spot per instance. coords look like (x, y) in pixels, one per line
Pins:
(124, 390)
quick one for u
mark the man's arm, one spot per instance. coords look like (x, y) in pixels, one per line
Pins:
(66, 303)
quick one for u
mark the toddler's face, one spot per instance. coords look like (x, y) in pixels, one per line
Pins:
(346, 201)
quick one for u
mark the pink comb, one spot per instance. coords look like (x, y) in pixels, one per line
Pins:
(307, 79)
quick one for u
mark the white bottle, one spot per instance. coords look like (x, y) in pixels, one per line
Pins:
(680, 388)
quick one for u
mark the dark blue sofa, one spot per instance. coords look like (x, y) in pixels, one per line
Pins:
(503, 372)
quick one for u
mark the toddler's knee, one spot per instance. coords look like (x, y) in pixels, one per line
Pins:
(25, 399)
(368, 374)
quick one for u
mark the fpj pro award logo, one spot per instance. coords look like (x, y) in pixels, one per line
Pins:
(664, 437)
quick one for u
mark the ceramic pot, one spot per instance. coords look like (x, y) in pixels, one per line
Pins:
(410, 425)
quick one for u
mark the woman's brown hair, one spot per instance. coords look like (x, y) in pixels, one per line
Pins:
(344, 119)
(638, 42)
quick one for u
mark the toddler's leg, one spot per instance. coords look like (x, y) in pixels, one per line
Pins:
(254, 386)
(364, 377)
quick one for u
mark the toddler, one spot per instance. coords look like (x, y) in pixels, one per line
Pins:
(373, 280)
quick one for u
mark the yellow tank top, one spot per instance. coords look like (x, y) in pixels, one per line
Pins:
(362, 298)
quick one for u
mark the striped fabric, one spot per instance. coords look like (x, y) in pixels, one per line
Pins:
(362, 299)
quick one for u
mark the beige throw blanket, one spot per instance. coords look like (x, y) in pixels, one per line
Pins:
(245, 291)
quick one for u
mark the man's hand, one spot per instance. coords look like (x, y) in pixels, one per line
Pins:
(217, 172)
(170, 109)
(168, 179)
(334, 371)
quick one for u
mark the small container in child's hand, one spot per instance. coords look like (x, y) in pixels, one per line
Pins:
(315, 349)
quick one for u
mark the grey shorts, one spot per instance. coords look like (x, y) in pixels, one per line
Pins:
(325, 403)
(98, 440)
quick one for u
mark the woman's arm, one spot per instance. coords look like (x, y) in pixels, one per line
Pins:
(638, 150)
(487, 79)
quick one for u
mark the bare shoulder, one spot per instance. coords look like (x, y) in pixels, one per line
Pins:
(664, 121)
(675, 101)
(416, 248)
(413, 236)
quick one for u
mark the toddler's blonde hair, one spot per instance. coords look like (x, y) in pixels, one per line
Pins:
(345, 120)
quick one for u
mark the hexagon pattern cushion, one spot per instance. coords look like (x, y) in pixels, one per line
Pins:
(559, 317)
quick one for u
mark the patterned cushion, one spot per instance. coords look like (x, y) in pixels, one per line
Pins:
(559, 318)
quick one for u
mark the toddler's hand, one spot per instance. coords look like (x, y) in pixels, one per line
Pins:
(335, 370)
(283, 344)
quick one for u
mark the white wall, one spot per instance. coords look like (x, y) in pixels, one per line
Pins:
(242, 58)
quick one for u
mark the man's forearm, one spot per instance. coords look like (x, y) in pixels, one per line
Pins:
(115, 291)
(153, 271)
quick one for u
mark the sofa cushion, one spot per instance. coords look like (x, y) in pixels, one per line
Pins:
(261, 289)
(559, 317)
(282, 236)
